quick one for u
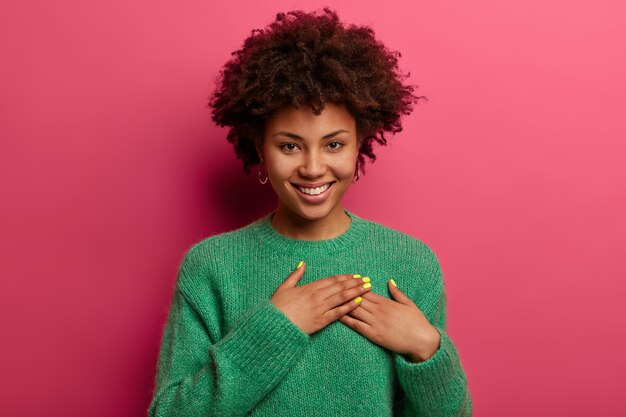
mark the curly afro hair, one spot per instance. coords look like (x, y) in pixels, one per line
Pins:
(309, 59)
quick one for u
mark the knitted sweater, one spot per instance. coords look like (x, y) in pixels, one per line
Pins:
(226, 350)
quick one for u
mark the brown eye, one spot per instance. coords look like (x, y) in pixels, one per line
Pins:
(287, 144)
(337, 143)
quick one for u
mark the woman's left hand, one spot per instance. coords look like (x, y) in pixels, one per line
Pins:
(397, 324)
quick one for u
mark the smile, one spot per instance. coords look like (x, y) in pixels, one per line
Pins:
(313, 191)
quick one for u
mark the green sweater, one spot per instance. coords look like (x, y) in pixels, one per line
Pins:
(226, 350)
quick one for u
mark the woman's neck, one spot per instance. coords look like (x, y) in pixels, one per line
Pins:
(291, 225)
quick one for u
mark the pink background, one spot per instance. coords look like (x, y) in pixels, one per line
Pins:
(512, 172)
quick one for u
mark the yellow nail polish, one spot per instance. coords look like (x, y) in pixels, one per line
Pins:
(393, 283)
(356, 276)
(358, 300)
(367, 285)
(366, 279)
(299, 264)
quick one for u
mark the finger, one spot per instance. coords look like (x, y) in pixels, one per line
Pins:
(397, 294)
(295, 276)
(367, 304)
(346, 291)
(358, 325)
(332, 280)
(343, 284)
(362, 313)
(337, 312)
(374, 298)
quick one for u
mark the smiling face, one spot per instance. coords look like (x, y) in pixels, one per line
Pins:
(303, 149)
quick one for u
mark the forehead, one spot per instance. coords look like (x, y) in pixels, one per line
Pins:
(333, 116)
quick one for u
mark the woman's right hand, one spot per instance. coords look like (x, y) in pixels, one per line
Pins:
(315, 305)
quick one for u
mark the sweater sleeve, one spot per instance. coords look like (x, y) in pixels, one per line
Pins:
(437, 386)
(198, 376)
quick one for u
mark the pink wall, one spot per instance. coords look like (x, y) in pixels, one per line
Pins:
(513, 173)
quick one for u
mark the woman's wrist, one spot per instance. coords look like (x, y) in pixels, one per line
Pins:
(429, 350)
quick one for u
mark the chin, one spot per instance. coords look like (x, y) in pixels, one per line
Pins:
(310, 212)
(315, 213)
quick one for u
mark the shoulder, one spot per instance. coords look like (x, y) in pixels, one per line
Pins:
(215, 244)
(411, 252)
(400, 241)
(202, 257)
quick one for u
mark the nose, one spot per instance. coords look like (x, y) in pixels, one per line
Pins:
(313, 165)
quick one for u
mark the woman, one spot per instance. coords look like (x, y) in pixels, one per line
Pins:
(298, 313)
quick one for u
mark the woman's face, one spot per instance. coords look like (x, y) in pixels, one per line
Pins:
(303, 149)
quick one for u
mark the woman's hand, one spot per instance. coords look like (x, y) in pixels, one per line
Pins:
(397, 324)
(315, 305)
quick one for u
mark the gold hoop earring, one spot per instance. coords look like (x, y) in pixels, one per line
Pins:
(266, 176)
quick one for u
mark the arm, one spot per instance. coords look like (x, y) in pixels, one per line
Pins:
(437, 386)
(197, 377)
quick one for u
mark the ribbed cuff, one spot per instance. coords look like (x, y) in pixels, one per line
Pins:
(264, 345)
(439, 379)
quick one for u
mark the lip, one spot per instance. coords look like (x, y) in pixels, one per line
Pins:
(316, 199)
(309, 185)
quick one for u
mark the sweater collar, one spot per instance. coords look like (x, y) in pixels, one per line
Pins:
(356, 232)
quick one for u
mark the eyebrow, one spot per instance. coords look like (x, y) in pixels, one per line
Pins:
(294, 136)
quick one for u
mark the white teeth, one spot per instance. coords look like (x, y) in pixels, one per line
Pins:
(314, 191)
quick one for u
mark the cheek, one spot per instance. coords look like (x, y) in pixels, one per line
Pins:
(346, 166)
(279, 168)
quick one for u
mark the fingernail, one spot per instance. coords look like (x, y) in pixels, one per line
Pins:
(299, 264)
(367, 285)
(358, 300)
(366, 279)
(356, 276)
(393, 283)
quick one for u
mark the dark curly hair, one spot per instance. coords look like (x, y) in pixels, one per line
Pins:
(309, 59)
